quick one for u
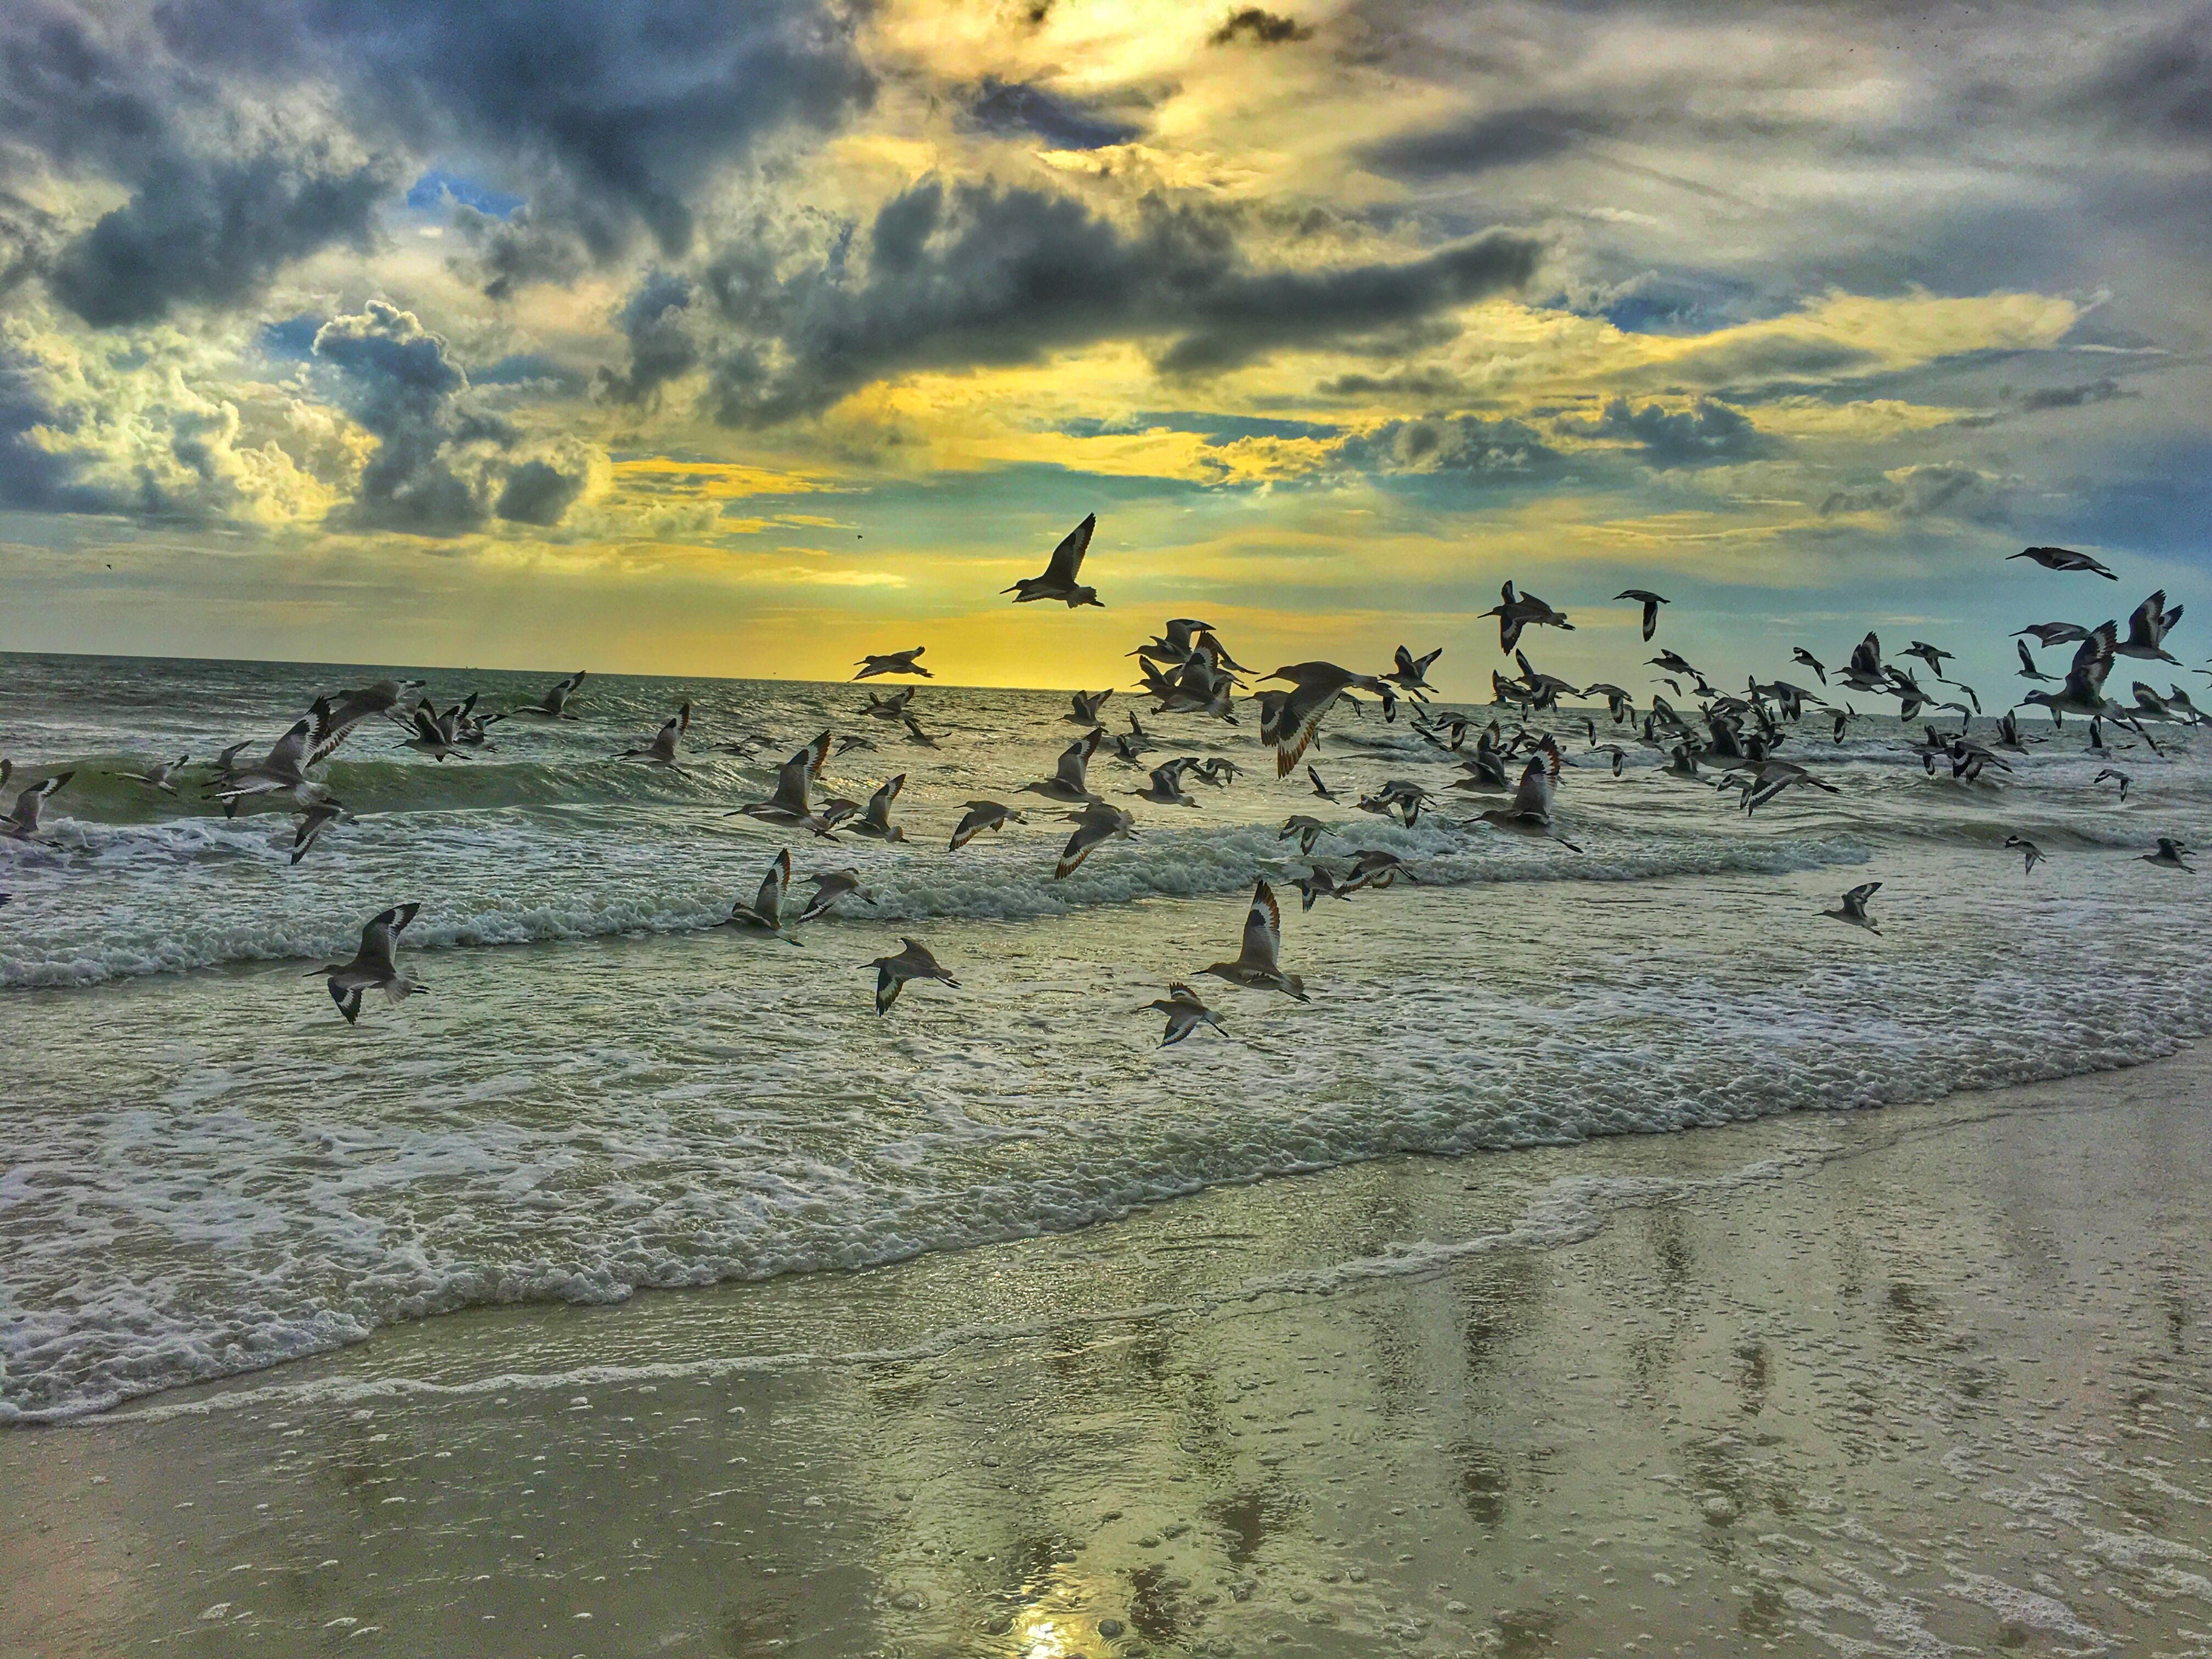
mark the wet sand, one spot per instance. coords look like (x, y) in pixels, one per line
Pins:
(1910, 1382)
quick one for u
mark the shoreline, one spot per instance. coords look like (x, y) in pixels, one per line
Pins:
(1133, 1422)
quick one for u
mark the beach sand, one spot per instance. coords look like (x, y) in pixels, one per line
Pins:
(1910, 1382)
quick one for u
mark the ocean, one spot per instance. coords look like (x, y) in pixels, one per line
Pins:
(205, 1170)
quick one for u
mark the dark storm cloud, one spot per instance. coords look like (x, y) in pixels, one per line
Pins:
(1936, 490)
(1496, 450)
(963, 276)
(539, 493)
(1705, 434)
(655, 322)
(1261, 28)
(1496, 139)
(1009, 107)
(2100, 390)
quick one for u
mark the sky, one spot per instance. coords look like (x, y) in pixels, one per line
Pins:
(737, 337)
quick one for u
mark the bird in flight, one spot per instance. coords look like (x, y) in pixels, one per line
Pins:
(893, 662)
(2062, 558)
(1059, 581)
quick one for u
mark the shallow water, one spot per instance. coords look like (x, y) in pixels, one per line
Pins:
(208, 1171)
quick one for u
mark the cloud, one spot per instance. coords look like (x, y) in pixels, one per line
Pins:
(1260, 26)
(1496, 450)
(1705, 434)
(1938, 489)
(1008, 107)
(960, 275)
(2099, 391)
(1498, 139)
(654, 322)
(539, 493)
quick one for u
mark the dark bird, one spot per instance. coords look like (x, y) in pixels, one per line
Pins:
(1059, 581)
(376, 966)
(893, 662)
(914, 962)
(1185, 1012)
(2062, 558)
(1517, 612)
(1651, 602)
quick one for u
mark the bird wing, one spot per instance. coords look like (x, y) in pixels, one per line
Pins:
(1068, 558)
(1075, 761)
(770, 905)
(2092, 661)
(1263, 929)
(290, 751)
(1858, 896)
(380, 936)
(1537, 779)
(1865, 656)
(887, 984)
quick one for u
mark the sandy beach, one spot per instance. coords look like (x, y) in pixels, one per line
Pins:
(1924, 1380)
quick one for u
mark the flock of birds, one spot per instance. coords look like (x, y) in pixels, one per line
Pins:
(1730, 742)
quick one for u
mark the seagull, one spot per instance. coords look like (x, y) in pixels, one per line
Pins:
(1085, 706)
(1530, 814)
(892, 707)
(2169, 856)
(792, 803)
(2028, 671)
(339, 715)
(283, 769)
(315, 818)
(1515, 613)
(1185, 1012)
(23, 823)
(893, 662)
(1928, 653)
(829, 887)
(1798, 653)
(554, 706)
(2062, 558)
(1094, 824)
(1059, 581)
(1864, 673)
(1852, 907)
(1411, 676)
(2117, 776)
(1257, 966)
(158, 777)
(1166, 787)
(2147, 628)
(2084, 690)
(1318, 884)
(2027, 849)
(434, 734)
(1308, 830)
(1290, 720)
(913, 963)
(661, 751)
(983, 815)
(765, 914)
(1070, 780)
(376, 966)
(1321, 789)
(1651, 602)
(2050, 634)
(875, 821)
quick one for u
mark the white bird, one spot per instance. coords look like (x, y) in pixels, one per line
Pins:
(1258, 965)
(1096, 823)
(23, 822)
(1185, 1012)
(376, 966)
(914, 962)
(1059, 581)
(983, 815)
(765, 914)
(1852, 907)
(157, 777)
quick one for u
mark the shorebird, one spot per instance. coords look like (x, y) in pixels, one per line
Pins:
(2117, 776)
(1318, 884)
(1308, 830)
(1530, 814)
(1843, 718)
(2169, 856)
(1059, 581)
(2028, 671)
(1129, 745)
(1398, 797)
(1617, 755)
(1070, 780)
(765, 914)
(1651, 602)
(2050, 634)
(1173, 646)
(374, 967)
(435, 735)
(1258, 963)
(1851, 906)
(914, 962)
(1928, 653)
(917, 737)
(1319, 787)
(1373, 868)
(829, 887)
(1516, 611)
(1618, 702)
(2062, 558)
(2083, 692)
(875, 819)
(983, 815)
(2028, 851)
(1083, 707)
(2147, 628)
(848, 744)
(338, 716)
(554, 705)
(1411, 676)
(157, 777)
(1166, 789)
(23, 822)
(1864, 671)
(1185, 1012)
(793, 803)
(1094, 824)
(893, 662)
(1674, 662)
(1798, 653)
(225, 766)
(1290, 721)
(1218, 770)
(892, 707)
(315, 818)
(283, 769)
(661, 751)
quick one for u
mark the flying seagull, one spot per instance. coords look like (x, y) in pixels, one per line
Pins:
(2028, 851)
(765, 914)
(792, 803)
(157, 777)
(1258, 965)
(1059, 581)
(1289, 721)
(1185, 1012)
(893, 662)
(914, 962)
(2062, 558)
(2169, 856)
(1651, 602)
(983, 815)
(554, 706)
(1094, 824)
(1516, 611)
(1852, 907)
(23, 823)
(376, 966)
